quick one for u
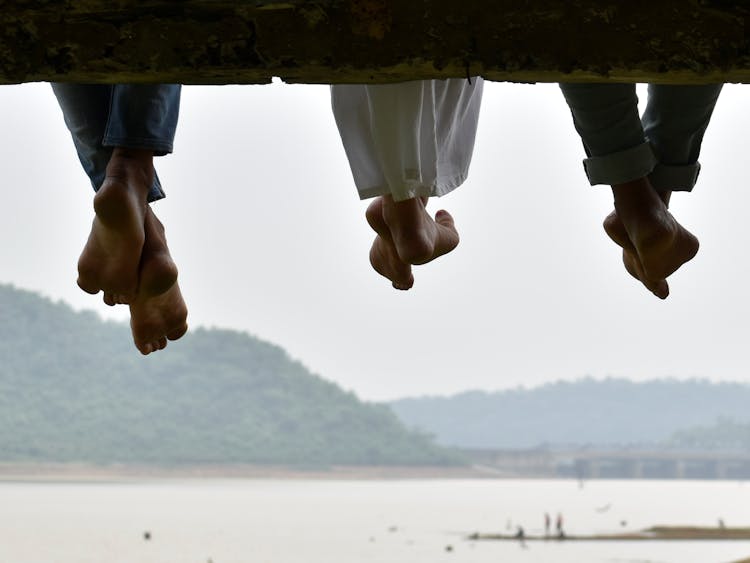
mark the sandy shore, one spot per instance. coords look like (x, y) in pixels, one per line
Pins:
(78, 472)
(655, 533)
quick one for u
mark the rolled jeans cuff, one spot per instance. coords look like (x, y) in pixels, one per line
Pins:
(621, 167)
(158, 146)
(674, 178)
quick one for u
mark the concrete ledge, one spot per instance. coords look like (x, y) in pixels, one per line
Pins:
(335, 41)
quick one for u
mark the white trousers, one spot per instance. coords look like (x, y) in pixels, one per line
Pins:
(410, 139)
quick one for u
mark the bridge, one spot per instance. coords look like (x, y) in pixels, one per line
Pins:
(612, 464)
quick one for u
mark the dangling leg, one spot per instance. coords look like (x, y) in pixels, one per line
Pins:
(117, 130)
(654, 243)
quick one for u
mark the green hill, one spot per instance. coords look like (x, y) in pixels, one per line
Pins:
(72, 388)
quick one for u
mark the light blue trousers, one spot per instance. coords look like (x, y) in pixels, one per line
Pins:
(663, 145)
(101, 117)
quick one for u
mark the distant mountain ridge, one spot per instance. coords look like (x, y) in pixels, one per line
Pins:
(583, 412)
(73, 389)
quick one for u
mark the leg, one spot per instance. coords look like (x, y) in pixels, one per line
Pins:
(654, 244)
(157, 314)
(384, 256)
(109, 261)
(143, 118)
(142, 123)
(675, 121)
(418, 238)
(616, 231)
(95, 114)
(407, 236)
(117, 130)
(661, 244)
(607, 119)
(405, 143)
(85, 108)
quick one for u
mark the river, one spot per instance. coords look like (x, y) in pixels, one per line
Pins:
(353, 521)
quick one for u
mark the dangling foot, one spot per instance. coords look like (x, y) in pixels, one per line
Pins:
(158, 313)
(407, 236)
(616, 231)
(418, 238)
(110, 260)
(383, 254)
(662, 245)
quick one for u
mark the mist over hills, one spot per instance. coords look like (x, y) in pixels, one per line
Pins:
(588, 412)
(73, 388)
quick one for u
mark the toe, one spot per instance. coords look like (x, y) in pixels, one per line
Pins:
(88, 285)
(404, 283)
(444, 218)
(661, 289)
(177, 333)
(374, 216)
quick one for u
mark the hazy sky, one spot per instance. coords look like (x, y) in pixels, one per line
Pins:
(265, 224)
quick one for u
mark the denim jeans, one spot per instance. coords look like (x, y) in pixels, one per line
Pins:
(101, 117)
(622, 146)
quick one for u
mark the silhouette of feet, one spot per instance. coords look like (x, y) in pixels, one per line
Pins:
(616, 231)
(110, 260)
(654, 244)
(407, 235)
(158, 313)
(383, 254)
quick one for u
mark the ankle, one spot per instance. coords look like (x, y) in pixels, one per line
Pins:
(632, 190)
(400, 215)
(637, 197)
(132, 165)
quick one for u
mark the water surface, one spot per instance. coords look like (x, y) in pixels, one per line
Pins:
(310, 521)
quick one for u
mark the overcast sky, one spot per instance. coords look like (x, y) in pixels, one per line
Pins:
(265, 224)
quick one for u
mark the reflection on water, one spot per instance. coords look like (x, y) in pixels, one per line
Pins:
(414, 521)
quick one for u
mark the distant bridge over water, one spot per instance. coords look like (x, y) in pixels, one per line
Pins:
(612, 464)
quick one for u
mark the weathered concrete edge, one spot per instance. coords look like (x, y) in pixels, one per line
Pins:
(323, 75)
(373, 41)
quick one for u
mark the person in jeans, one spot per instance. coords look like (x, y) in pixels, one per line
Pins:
(644, 159)
(117, 131)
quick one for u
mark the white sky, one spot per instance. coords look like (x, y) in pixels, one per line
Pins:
(265, 225)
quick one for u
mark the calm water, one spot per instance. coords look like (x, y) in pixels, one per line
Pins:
(267, 521)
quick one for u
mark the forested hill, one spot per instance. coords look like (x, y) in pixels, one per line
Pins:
(73, 388)
(584, 412)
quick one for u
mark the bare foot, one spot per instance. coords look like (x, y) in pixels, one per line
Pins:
(110, 260)
(660, 243)
(407, 236)
(418, 237)
(383, 254)
(158, 313)
(616, 231)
